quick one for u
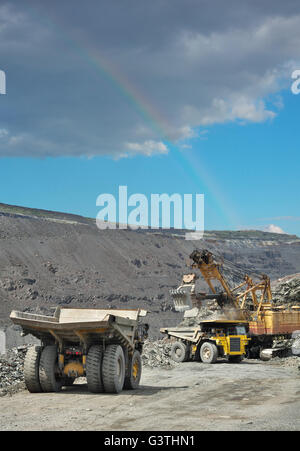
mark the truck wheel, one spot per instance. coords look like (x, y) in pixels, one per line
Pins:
(31, 369)
(113, 369)
(50, 380)
(93, 369)
(208, 352)
(179, 352)
(135, 371)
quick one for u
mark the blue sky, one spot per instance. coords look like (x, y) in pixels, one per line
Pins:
(208, 113)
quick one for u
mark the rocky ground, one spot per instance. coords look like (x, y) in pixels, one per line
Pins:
(190, 396)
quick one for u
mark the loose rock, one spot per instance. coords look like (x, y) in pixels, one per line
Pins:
(11, 370)
(157, 354)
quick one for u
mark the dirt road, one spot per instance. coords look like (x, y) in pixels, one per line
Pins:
(253, 395)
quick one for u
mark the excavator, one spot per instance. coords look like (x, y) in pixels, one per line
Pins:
(247, 308)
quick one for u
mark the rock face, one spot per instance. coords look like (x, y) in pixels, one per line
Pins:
(49, 259)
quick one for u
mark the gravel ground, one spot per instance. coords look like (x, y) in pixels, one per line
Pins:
(252, 395)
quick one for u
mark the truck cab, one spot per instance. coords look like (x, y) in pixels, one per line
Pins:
(222, 338)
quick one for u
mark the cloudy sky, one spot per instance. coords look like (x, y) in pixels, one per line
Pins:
(163, 96)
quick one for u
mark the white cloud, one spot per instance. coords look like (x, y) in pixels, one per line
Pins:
(147, 148)
(239, 109)
(245, 109)
(273, 229)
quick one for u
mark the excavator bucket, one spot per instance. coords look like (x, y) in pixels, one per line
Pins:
(182, 296)
(182, 299)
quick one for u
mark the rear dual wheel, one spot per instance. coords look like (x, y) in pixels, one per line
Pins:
(41, 370)
(179, 352)
(106, 372)
(113, 369)
(50, 379)
(31, 369)
(93, 369)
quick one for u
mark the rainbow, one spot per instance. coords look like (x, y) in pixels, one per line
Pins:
(127, 90)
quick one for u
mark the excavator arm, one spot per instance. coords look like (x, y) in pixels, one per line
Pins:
(210, 270)
(186, 298)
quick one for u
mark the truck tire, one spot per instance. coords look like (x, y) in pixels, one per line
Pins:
(113, 369)
(132, 381)
(179, 352)
(208, 352)
(31, 369)
(48, 370)
(93, 369)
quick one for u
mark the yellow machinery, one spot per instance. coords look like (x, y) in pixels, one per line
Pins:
(249, 301)
(254, 303)
(209, 340)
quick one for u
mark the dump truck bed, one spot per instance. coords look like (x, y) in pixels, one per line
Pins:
(77, 324)
(183, 333)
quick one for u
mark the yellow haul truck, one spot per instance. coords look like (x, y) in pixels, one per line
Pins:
(209, 340)
(105, 346)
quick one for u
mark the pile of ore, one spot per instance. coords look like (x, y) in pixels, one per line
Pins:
(209, 310)
(286, 291)
(11, 370)
(290, 361)
(157, 354)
